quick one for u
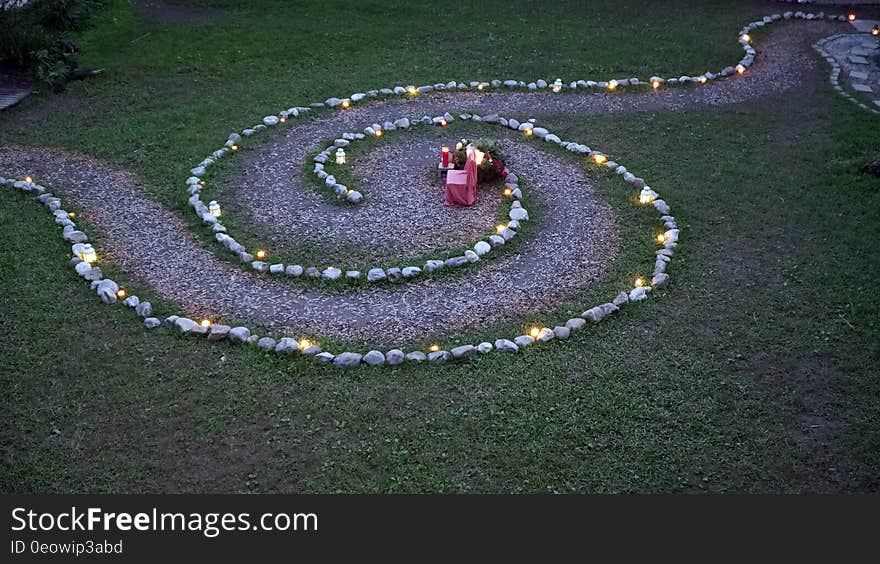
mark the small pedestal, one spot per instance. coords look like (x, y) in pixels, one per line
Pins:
(443, 170)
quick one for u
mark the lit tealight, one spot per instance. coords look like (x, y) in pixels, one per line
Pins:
(205, 323)
(639, 282)
(702, 79)
(346, 104)
(378, 133)
(745, 38)
(71, 215)
(234, 147)
(480, 86)
(661, 238)
(443, 122)
(534, 332)
(434, 348)
(500, 228)
(28, 179)
(304, 344)
(202, 183)
(528, 131)
(740, 69)
(646, 199)
(655, 84)
(875, 30)
(282, 119)
(599, 159)
(612, 84)
(412, 90)
(261, 254)
(851, 16)
(88, 254)
(121, 293)
(507, 192)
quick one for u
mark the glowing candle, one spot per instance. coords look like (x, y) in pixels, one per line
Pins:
(534, 332)
(851, 16)
(875, 30)
(121, 293)
(444, 157)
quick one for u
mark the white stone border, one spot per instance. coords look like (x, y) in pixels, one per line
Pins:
(516, 214)
(108, 291)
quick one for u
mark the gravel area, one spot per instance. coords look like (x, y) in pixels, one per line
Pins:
(404, 216)
(576, 241)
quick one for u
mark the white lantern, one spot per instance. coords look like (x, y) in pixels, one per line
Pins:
(214, 208)
(88, 254)
(340, 156)
(557, 85)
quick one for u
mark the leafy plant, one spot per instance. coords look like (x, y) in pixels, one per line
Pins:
(492, 167)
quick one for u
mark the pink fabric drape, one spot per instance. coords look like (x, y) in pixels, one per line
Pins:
(461, 185)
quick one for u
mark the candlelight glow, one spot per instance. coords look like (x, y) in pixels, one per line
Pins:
(655, 85)
(304, 344)
(214, 208)
(527, 131)
(261, 254)
(875, 30)
(851, 16)
(534, 332)
(412, 90)
(202, 183)
(234, 147)
(121, 293)
(345, 104)
(745, 38)
(28, 179)
(499, 228)
(434, 348)
(282, 119)
(612, 85)
(740, 69)
(378, 133)
(661, 238)
(646, 199)
(702, 79)
(71, 215)
(639, 282)
(480, 86)
(88, 254)
(507, 192)
(443, 122)
(205, 323)
(599, 159)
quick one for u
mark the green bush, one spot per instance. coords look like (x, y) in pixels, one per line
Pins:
(29, 35)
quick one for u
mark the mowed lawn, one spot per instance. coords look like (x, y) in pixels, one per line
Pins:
(757, 371)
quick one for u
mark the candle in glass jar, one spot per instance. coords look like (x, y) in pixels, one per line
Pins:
(444, 157)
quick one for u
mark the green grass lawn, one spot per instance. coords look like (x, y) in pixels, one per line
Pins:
(756, 371)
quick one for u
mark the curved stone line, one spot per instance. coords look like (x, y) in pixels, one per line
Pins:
(108, 290)
(195, 182)
(834, 75)
(211, 214)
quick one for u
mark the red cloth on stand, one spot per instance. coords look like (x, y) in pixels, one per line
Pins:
(461, 185)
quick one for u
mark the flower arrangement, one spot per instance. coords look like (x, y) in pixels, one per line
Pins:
(492, 167)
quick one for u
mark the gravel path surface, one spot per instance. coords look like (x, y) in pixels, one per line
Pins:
(577, 239)
(404, 216)
(150, 242)
(285, 208)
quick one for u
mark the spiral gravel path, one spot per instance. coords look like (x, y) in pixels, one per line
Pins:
(575, 242)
